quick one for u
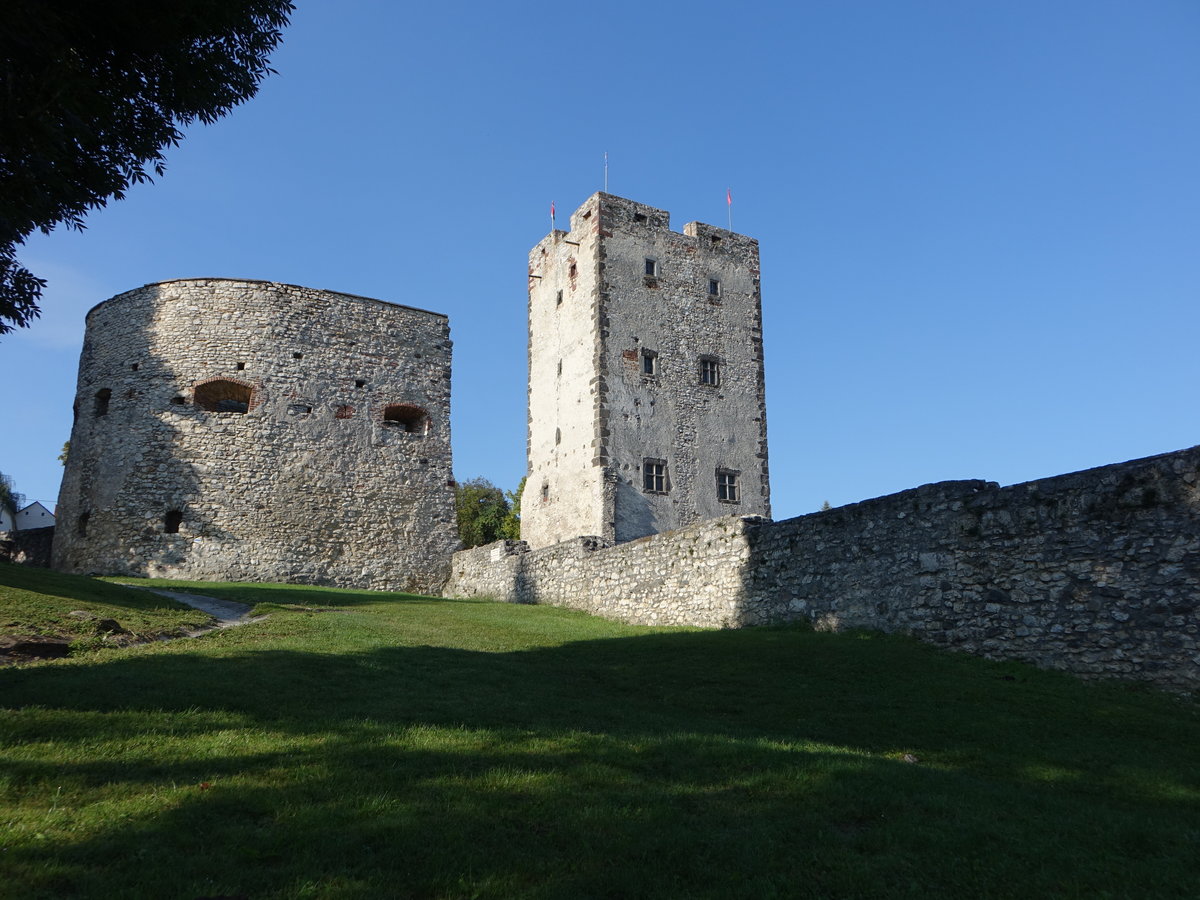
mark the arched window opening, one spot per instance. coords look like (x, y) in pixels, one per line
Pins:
(102, 397)
(406, 418)
(223, 396)
(172, 521)
(82, 524)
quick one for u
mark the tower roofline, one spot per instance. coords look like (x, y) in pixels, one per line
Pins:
(614, 209)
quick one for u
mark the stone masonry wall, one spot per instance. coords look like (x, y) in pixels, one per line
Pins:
(1095, 572)
(692, 576)
(255, 431)
(628, 365)
(27, 547)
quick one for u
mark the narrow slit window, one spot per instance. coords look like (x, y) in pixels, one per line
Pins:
(649, 362)
(558, 300)
(103, 396)
(82, 525)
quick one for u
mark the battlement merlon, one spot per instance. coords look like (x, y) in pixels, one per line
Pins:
(602, 214)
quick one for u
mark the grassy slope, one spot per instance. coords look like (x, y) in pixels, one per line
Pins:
(381, 745)
(36, 602)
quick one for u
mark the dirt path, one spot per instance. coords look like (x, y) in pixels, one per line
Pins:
(228, 612)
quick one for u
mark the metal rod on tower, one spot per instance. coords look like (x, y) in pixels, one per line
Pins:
(606, 171)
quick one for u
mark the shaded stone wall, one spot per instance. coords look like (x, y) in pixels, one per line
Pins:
(1095, 572)
(27, 547)
(255, 431)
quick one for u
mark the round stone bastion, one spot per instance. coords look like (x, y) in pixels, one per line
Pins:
(254, 431)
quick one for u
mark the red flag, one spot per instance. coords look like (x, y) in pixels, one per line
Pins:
(728, 197)
(551, 209)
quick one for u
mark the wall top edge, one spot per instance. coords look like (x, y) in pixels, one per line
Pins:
(274, 284)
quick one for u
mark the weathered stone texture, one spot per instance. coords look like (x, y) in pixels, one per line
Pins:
(317, 482)
(1095, 572)
(27, 547)
(595, 414)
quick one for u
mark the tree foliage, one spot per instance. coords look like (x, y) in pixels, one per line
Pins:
(486, 513)
(10, 500)
(93, 93)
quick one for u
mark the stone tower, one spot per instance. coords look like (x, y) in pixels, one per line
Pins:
(255, 431)
(647, 409)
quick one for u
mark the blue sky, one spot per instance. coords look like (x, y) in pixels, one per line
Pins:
(979, 221)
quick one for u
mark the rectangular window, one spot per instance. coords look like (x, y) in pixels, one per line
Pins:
(714, 287)
(654, 476)
(651, 267)
(728, 490)
(649, 362)
(710, 371)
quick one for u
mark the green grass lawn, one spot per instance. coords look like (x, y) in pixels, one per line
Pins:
(366, 745)
(37, 603)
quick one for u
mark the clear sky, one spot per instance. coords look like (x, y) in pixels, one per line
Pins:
(979, 221)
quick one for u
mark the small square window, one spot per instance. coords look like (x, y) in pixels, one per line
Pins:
(654, 476)
(728, 489)
(649, 362)
(545, 491)
(714, 287)
(710, 371)
(573, 271)
(651, 267)
(241, 367)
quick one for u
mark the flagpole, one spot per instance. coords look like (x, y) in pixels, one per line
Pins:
(606, 171)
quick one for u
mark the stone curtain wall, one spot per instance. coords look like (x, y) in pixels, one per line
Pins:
(1096, 572)
(240, 430)
(692, 576)
(27, 547)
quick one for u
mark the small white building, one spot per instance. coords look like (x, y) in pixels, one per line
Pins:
(33, 516)
(6, 520)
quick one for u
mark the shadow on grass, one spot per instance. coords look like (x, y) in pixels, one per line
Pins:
(751, 763)
(52, 584)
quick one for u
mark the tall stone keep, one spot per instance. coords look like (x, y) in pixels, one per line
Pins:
(256, 431)
(647, 408)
